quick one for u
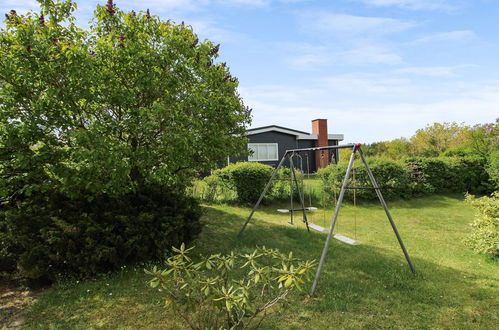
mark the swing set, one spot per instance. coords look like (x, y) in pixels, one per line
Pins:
(290, 155)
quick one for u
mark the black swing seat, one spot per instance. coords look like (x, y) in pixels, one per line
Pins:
(295, 210)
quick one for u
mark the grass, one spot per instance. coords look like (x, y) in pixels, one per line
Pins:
(366, 286)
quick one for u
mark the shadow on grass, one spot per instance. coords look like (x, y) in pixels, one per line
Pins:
(372, 281)
(434, 201)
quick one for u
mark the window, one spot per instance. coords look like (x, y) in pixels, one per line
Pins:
(263, 152)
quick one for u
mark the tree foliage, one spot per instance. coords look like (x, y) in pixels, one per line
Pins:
(484, 139)
(133, 100)
(434, 139)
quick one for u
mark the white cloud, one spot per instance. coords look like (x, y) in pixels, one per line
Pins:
(309, 58)
(210, 28)
(452, 36)
(373, 107)
(430, 71)
(345, 24)
(366, 55)
(412, 4)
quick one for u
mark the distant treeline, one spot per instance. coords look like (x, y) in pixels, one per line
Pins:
(441, 139)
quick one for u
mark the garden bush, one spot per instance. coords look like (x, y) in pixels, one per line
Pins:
(49, 235)
(214, 189)
(281, 189)
(392, 176)
(222, 185)
(428, 175)
(248, 179)
(493, 169)
(484, 236)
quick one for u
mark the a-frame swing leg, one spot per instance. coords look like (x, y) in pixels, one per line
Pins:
(336, 211)
(388, 215)
(293, 174)
(292, 212)
(333, 223)
(263, 193)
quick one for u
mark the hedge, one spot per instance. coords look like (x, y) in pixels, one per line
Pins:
(49, 235)
(448, 174)
(392, 176)
(243, 183)
(248, 179)
(416, 176)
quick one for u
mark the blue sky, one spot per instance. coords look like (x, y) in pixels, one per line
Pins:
(376, 69)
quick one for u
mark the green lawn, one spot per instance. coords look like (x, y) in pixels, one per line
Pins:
(366, 286)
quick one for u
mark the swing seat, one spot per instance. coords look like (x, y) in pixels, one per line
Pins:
(295, 210)
(346, 240)
(317, 228)
(341, 238)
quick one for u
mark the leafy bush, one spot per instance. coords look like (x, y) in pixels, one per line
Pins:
(484, 237)
(493, 169)
(212, 189)
(428, 175)
(281, 189)
(448, 174)
(50, 235)
(222, 185)
(472, 176)
(233, 291)
(457, 152)
(392, 176)
(248, 179)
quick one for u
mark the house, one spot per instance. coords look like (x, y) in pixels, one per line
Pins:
(269, 143)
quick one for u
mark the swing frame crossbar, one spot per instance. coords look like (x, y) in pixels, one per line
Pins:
(355, 149)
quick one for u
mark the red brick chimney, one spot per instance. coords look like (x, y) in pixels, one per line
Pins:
(319, 127)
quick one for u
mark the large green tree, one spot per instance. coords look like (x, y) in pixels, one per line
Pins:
(435, 139)
(130, 101)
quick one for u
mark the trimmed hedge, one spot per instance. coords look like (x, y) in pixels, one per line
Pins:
(392, 176)
(243, 183)
(448, 174)
(414, 177)
(248, 179)
(50, 235)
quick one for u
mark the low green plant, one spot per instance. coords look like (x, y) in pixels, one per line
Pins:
(484, 236)
(228, 291)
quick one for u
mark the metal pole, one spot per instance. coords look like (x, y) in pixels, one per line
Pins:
(344, 146)
(291, 186)
(333, 222)
(299, 194)
(382, 201)
(263, 193)
(309, 187)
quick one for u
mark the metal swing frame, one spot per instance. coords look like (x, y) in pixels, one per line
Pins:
(289, 154)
